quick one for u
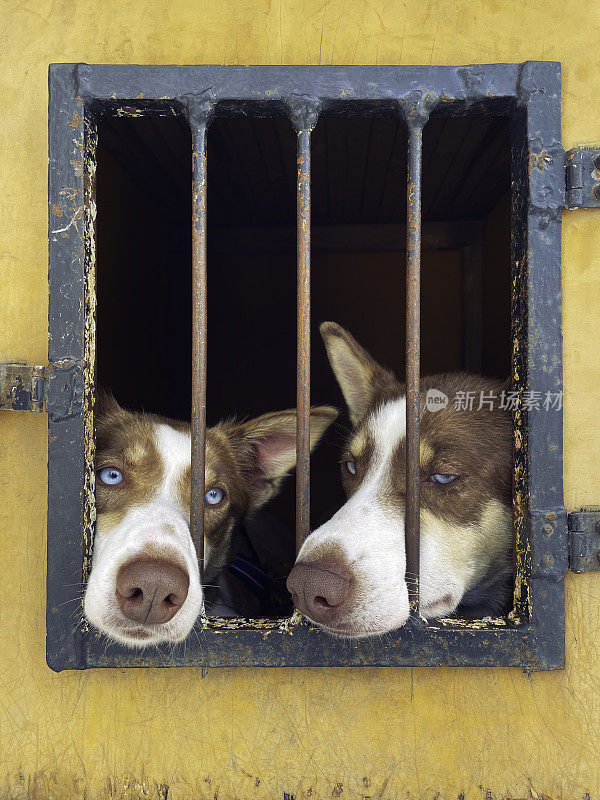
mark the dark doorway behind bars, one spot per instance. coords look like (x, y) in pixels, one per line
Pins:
(359, 165)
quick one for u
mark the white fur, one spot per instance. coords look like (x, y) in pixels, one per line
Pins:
(370, 531)
(175, 448)
(371, 535)
(159, 523)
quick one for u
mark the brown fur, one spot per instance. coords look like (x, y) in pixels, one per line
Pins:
(361, 379)
(125, 441)
(476, 445)
(239, 461)
(465, 524)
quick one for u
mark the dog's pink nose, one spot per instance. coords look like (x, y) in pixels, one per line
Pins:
(317, 592)
(151, 591)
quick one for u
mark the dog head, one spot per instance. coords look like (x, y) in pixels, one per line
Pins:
(350, 575)
(144, 586)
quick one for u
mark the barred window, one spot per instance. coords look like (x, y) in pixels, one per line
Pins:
(218, 214)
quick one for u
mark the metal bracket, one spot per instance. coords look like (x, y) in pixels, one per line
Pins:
(22, 387)
(549, 549)
(584, 539)
(583, 177)
(57, 388)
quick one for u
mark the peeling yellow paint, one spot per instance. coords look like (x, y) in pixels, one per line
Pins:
(460, 734)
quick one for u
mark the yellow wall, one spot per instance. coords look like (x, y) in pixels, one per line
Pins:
(349, 733)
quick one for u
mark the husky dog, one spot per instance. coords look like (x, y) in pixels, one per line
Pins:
(350, 575)
(144, 586)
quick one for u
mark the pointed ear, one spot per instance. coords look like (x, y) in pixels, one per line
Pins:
(360, 377)
(105, 404)
(108, 418)
(270, 451)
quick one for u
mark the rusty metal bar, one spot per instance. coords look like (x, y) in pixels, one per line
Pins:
(199, 316)
(303, 341)
(413, 357)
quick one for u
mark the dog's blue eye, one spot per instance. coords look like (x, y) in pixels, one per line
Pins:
(351, 467)
(214, 496)
(110, 475)
(439, 478)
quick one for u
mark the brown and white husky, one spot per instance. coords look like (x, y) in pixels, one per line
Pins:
(144, 586)
(350, 575)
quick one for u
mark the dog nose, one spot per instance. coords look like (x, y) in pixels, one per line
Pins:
(317, 592)
(151, 591)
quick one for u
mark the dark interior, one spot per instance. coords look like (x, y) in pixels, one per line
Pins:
(358, 215)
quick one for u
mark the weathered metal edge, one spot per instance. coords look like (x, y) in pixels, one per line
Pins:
(298, 644)
(280, 83)
(540, 96)
(66, 344)
(475, 85)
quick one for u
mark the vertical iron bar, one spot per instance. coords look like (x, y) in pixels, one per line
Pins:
(199, 315)
(413, 358)
(303, 341)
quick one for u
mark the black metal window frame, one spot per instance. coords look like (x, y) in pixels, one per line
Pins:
(532, 635)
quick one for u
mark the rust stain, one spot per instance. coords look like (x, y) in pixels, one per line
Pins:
(77, 120)
(89, 214)
(265, 624)
(69, 192)
(129, 111)
(199, 328)
(77, 167)
(57, 210)
(540, 161)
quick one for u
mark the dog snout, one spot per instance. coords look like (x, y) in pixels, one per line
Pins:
(151, 591)
(318, 592)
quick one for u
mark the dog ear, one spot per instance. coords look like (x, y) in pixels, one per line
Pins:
(270, 448)
(360, 377)
(105, 404)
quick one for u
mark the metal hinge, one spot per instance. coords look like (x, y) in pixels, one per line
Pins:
(57, 388)
(583, 178)
(584, 539)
